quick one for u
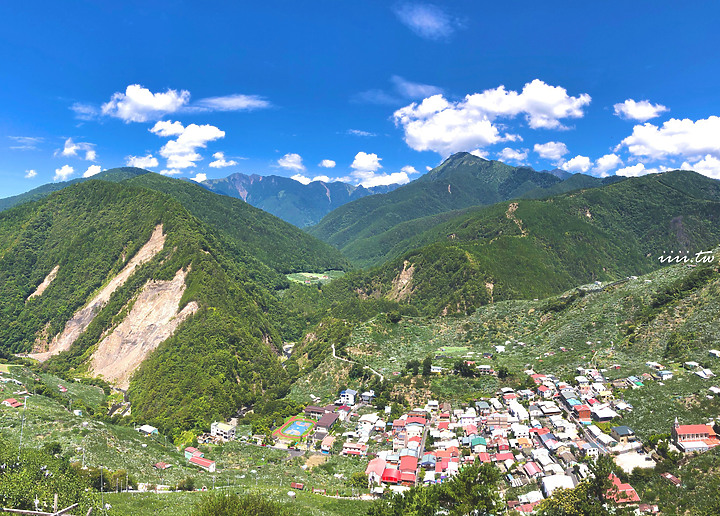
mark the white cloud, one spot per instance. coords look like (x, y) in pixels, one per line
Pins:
(358, 132)
(426, 20)
(686, 138)
(327, 163)
(638, 170)
(414, 90)
(29, 174)
(409, 170)
(25, 142)
(92, 170)
(63, 173)
(324, 179)
(170, 172)
(139, 104)
(71, 149)
(642, 111)
(85, 111)
(148, 161)
(429, 168)
(605, 164)
(512, 155)
(708, 166)
(237, 102)
(220, 161)
(365, 162)
(577, 164)
(476, 152)
(301, 179)
(372, 179)
(291, 161)
(446, 127)
(199, 178)
(553, 151)
(166, 128)
(182, 152)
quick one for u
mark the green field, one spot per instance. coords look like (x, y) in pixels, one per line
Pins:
(313, 278)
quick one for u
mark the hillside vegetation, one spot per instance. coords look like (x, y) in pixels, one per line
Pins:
(220, 358)
(537, 248)
(367, 229)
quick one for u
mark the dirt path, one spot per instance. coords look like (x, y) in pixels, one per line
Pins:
(382, 378)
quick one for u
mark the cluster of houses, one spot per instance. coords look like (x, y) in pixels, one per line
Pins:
(196, 457)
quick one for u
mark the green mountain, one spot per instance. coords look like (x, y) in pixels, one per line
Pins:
(366, 230)
(157, 286)
(536, 248)
(114, 175)
(290, 200)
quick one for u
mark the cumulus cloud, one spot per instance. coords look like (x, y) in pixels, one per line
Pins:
(577, 164)
(63, 173)
(29, 174)
(139, 104)
(365, 162)
(92, 170)
(685, 138)
(25, 142)
(72, 148)
(220, 161)
(199, 178)
(148, 161)
(291, 161)
(638, 170)
(426, 20)
(409, 170)
(513, 155)
(170, 172)
(708, 166)
(327, 163)
(306, 180)
(553, 151)
(605, 164)
(182, 152)
(476, 152)
(642, 111)
(446, 127)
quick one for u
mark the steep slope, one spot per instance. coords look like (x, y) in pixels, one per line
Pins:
(250, 232)
(366, 230)
(114, 175)
(292, 201)
(153, 285)
(536, 248)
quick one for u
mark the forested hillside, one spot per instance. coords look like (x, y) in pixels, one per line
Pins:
(76, 242)
(536, 248)
(368, 230)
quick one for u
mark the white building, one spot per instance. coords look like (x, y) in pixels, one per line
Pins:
(223, 430)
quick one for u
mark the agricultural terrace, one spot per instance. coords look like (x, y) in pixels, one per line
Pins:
(313, 278)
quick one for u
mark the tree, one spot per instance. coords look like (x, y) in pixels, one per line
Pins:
(413, 366)
(186, 484)
(427, 366)
(359, 480)
(222, 504)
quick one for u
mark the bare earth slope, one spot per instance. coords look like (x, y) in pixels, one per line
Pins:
(80, 321)
(153, 318)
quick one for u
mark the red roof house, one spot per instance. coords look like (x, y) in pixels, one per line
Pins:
(620, 492)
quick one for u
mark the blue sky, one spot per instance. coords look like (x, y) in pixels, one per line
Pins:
(370, 92)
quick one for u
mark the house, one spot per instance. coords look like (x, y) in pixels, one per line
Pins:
(391, 476)
(622, 434)
(672, 479)
(191, 452)
(12, 403)
(297, 485)
(356, 449)
(374, 470)
(148, 430)
(314, 412)
(224, 431)
(327, 443)
(367, 396)
(162, 465)
(714, 353)
(665, 375)
(582, 412)
(554, 482)
(327, 421)
(435, 369)
(621, 493)
(206, 464)
(694, 438)
(347, 397)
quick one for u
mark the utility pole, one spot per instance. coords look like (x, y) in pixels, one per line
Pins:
(22, 426)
